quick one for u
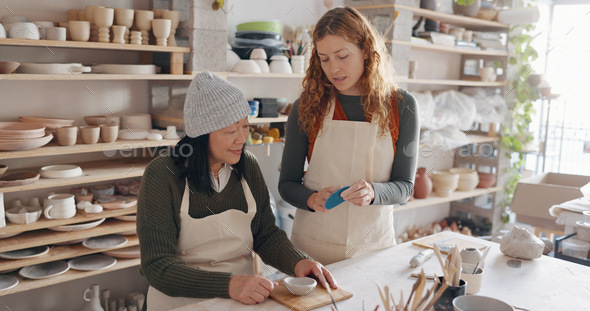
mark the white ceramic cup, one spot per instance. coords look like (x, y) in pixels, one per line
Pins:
(60, 206)
(473, 280)
(90, 134)
(67, 135)
(56, 33)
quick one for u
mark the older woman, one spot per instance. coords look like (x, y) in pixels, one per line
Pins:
(204, 209)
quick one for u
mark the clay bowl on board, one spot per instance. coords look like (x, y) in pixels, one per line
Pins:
(8, 67)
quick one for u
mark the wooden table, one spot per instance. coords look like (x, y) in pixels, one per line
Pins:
(541, 284)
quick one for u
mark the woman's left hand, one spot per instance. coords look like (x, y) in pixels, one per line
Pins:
(307, 267)
(361, 193)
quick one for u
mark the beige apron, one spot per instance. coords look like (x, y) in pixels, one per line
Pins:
(344, 153)
(220, 242)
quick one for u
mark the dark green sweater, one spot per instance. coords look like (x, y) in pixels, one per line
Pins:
(158, 224)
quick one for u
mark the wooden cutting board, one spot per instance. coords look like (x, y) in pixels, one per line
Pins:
(446, 241)
(319, 297)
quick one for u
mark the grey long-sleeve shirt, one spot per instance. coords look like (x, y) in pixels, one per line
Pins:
(395, 191)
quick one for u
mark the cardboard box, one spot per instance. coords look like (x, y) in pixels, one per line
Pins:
(535, 195)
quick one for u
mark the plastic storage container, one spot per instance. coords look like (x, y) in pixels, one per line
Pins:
(575, 248)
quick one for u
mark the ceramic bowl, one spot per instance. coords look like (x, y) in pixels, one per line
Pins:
(258, 53)
(300, 286)
(246, 66)
(444, 183)
(95, 120)
(3, 169)
(266, 26)
(8, 67)
(468, 179)
(24, 30)
(486, 179)
(24, 214)
(483, 303)
(60, 171)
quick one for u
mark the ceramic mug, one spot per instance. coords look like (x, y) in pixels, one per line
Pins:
(60, 206)
(79, 30)
(67, 135)
(473, 280)
(56, 33)
(90, 134)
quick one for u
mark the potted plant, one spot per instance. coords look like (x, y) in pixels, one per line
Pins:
(466, 7)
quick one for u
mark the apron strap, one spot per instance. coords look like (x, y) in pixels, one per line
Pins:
(184, 205)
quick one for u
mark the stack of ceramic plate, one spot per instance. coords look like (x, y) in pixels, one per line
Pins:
(50, 123)
(22, 136)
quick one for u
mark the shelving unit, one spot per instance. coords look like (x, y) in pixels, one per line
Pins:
(128, 164)
(176, 53)
(401, 45)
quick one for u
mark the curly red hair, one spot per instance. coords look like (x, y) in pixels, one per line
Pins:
(376, 83)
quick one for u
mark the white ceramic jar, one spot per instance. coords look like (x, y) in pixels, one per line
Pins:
(471, 255)
(280, 64)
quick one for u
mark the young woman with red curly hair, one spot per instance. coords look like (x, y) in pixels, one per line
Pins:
(355, 128)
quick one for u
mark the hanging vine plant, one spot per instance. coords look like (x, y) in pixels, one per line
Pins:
(515, 134)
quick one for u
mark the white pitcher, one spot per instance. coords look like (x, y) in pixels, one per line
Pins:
(60, 206)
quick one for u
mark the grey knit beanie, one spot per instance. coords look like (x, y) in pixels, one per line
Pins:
(211, 104)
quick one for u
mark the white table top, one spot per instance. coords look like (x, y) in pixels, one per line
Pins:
(540, 284)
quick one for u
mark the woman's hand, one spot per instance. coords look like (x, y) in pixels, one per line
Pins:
(361, 193)
(317, 200)
(307, 267)
(250, 289)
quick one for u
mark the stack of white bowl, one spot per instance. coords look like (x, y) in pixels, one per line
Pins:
(444, 183)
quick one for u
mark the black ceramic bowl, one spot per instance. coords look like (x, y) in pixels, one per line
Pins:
(258, 35)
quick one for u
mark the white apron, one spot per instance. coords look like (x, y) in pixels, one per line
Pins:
(220, 242)
(344, 153)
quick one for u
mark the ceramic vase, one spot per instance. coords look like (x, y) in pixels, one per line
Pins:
(471, 255)
(143, 22)
(422, 184)
(174, 16)
(92, 298)
(161, 30)
(103, 18)
(124, 17)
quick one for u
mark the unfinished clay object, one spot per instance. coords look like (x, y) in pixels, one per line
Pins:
(521, 243)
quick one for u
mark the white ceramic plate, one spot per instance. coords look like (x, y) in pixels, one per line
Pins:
(26, 144)
(44, 270)
(92, 262)
(127, 252)
(8, 282)
(78, 227)
(127, 217)
(105, 241)
(26, 253)
(60, 171)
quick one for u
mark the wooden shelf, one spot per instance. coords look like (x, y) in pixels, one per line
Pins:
(90, 76)
(434, 199)
(401, 79)
(53, 149)
(280, 118)
(80, 217)
(48, 237)
(60, 252)
(478, 139)
(265, 75)
(28, 284)
(92, 172)
(457, 20)
(94, 45)
(450, 49)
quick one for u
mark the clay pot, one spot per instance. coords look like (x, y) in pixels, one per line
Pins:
(444, 183)
(467, 10)
(422, 184)
(468, 179)
(486, 179)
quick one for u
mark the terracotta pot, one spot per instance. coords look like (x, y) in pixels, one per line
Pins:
(486, 179)
(422, 184)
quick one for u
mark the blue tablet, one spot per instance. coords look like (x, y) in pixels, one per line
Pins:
(335, 199)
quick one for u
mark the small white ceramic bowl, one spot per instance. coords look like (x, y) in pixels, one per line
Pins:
(300, 286)
(23, 214)
(246, 66)
(483, 303)
(60, 171)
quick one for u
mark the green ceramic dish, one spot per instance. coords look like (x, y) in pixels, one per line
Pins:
(266, 26)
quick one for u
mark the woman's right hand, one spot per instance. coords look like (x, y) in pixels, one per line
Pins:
(317, 201)
(250, 289)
